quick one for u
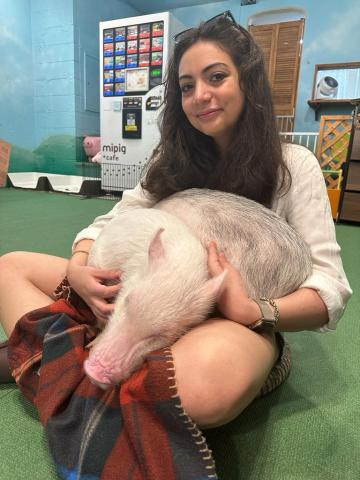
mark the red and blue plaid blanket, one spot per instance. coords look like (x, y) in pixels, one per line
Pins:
(136, 431)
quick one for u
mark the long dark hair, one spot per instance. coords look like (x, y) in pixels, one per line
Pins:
(186, 158)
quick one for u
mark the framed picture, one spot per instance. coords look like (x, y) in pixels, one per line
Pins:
(336, 81)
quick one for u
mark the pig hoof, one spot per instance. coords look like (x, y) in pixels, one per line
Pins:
(98, 375)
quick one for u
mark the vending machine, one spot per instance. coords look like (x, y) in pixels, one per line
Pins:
(134, 54)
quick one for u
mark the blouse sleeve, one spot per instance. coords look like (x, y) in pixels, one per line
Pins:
(135, 198)
(306, 207)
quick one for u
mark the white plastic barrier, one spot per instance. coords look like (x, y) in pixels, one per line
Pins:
(59, 183)
(65, 183)
(25, 179)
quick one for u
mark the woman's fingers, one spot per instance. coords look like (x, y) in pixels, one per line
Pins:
(107, 274)
(102, 310)
(224, 262)
(111, 290)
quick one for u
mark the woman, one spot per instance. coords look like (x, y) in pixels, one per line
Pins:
(218, 131)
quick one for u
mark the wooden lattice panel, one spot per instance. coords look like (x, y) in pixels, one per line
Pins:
(334, 137)
(332, 179)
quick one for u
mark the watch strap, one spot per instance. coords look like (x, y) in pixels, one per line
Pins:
(269, 315)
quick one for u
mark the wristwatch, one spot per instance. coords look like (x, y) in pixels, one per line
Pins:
(269, 316)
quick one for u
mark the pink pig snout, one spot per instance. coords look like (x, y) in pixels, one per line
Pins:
(92, 145)
(115, 359)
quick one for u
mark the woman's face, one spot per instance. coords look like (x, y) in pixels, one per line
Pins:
(211, 95)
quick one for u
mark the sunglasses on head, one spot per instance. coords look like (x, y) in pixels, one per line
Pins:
(225, 15)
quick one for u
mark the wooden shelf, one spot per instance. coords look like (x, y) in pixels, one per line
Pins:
(317, 104)
(350, 196)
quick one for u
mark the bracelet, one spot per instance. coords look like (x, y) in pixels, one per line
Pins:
(79, 251)
(272, 302)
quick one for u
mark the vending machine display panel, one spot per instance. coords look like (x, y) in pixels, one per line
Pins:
(108, 90)
(157, 44)
(156, 58)
(108, 63)
(132, 32)
(158, 29)
(132, 61)
(144, 45)
(144, 30)
(108, 49)
(120, 33)
(131, 47)
(109, 76)
(120, 61)
(120, 75)
(119, 89)
(144, 59)
(137, 80)
(120, 48)
(108, 35)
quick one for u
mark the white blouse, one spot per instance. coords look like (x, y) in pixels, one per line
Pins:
(305, 207)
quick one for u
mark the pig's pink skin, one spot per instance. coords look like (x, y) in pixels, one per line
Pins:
(92, 145)
(97, 374)
(106, 367)
(104, 376)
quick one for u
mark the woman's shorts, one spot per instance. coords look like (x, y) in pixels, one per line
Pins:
(281, 368)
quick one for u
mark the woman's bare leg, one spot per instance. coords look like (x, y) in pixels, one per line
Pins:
(220, 367)
(27, 281)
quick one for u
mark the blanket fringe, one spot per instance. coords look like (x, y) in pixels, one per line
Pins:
(196, 433)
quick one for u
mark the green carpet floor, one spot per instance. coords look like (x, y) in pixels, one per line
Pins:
(309, 429)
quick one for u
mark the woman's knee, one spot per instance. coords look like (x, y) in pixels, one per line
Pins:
(213, 403)
(27, 281)
(219, 377)
(9, 262)
(43, 271)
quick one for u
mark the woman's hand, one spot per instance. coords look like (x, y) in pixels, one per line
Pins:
(89, 283)
(234, 302)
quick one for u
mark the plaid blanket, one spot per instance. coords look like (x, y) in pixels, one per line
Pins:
(138, 431)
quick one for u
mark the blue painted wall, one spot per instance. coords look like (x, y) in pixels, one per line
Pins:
(52, 25)
(16, 74)
(49, 79)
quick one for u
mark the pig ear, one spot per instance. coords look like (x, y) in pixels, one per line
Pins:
(156, 248)
(213, 287)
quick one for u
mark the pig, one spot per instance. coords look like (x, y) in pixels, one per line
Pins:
(96, 158)
(151, 248)
(162, 252)
(92, 145)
